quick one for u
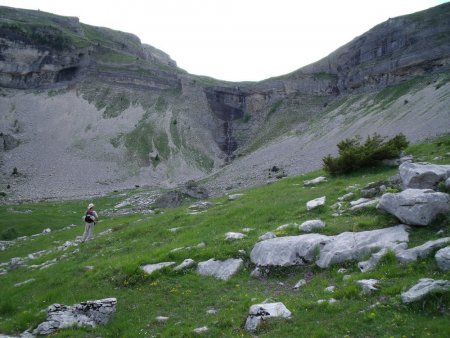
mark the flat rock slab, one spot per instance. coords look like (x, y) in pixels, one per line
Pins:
(260, 312)
(86, 314)
(421, 251)
(219, 269)
(355, 245)
(150, 268)
(287, 251)
(424, 287)
(423, 176)
(415, 206)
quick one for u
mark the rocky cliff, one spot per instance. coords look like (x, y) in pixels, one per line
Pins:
(89, 106)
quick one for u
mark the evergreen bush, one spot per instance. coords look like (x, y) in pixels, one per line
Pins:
(353, 155)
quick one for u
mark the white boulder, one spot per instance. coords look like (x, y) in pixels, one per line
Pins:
(261, 312)
(424, 287)
(354, 245)
(443, 258)
(219, 269)
(415, 206)
(287, 251)
(423, 176)
(317, 202)
(311, 225)
(231, 236)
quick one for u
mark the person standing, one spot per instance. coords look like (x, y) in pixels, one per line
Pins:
(90, 219)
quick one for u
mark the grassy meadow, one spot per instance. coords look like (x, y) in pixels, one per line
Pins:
(185, 297)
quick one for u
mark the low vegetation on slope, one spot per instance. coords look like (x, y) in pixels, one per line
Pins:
(109, 266)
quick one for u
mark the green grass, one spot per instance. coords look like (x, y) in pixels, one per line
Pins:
(185, 296)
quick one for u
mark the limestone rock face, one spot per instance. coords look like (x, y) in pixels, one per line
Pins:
(443, 258)
(423, 176)
(415, 206)
(354, 245)
(219, 269)
(423, 288)
(89, 314)
(287, 251)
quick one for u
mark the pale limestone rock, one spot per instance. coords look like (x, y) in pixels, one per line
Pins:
(423, 176)
(443, 258)
(311, 225)
(231, 236)
(415, 206)
(219, 269)
(262, 312)
(423, 288)
(354, 245)
(150, 268)
(317, 202)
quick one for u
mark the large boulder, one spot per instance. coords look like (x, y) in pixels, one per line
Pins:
(423, 176)
(219, 269)
(261, 312)
(287, 251)
(415, 206)
(443, 258)
(424, 287)
(355, 245)
(86, 314)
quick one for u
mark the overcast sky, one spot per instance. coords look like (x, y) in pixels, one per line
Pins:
(236, 39)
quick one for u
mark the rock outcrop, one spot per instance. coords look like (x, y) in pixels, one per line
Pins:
(424, 287)
(87, 314)
(423, 176)
(415, 206)
(443, 258)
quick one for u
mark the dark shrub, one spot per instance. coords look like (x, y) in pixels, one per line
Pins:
(353, 155)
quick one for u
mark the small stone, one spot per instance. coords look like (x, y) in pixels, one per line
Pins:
(162, 319)
(234, 196)
(315, 203)
(299, 284)
(311, 225)
(330, 288)
(201, 329)
(231, 236)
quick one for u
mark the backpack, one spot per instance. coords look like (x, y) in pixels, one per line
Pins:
(89, 218)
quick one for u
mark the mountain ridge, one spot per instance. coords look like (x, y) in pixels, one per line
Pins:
(135, 118)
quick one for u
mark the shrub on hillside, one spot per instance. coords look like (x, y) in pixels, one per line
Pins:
(353, 155)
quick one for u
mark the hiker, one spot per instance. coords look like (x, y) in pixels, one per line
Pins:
(90, 219)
